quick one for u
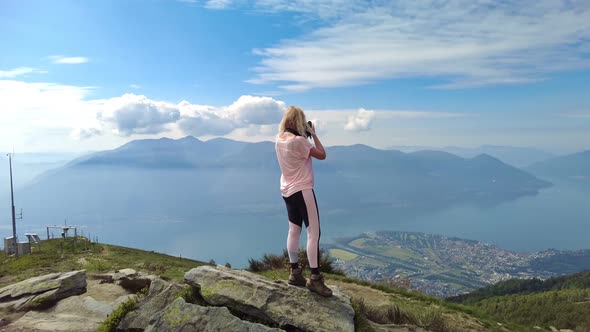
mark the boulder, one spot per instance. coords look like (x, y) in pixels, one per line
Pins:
(129, 279)
(273, 302)
(43, 291)
(159, 296)
(182, 316)
(132, 280)
(103, 277)
(80, 313)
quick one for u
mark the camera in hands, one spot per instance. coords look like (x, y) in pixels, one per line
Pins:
(307, 132)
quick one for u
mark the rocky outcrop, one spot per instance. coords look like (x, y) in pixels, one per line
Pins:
(129, 279)
(43, 291)
(277, 303)
(223, 300)
(182, 316)
(160, 295)
(75, 314)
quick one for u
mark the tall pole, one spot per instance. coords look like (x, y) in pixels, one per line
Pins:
(13, 212)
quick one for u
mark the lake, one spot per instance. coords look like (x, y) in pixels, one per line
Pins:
(558, 217)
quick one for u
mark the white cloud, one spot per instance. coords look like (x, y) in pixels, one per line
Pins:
(260, 131)
(218, 4)
(201, 120)
(85, 133)
(133, 114)
(361, 121)
(256, 110)
(42, 103)
(465, 43)
(16, 72)
(74, 60)
(136, 114)
(40, 115)
(135, 86)
(58, 117)
(245, 112)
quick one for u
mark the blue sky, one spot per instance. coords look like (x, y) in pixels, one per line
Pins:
(90, 75)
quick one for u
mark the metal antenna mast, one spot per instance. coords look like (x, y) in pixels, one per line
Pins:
(12, 201)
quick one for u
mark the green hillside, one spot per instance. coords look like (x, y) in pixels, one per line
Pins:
(563, 302)
(526, 286)
(59, 255)
(373, 303)
(565, 309)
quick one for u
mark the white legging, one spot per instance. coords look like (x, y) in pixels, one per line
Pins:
(302, 208)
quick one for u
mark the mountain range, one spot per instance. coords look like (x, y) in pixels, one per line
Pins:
(573, 167)
(515, 156)
(187, 177)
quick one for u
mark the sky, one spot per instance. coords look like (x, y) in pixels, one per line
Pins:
(92, 75)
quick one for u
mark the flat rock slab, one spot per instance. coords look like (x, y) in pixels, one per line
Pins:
(395, 328)
(80, 313)
(42, 291)
(182, 316)
(276, 302)
(74, 314)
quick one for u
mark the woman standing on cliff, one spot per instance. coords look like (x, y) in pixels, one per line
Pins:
(294, 154)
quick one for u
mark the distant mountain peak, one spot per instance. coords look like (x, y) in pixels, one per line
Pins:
(484, 156)
(189, 138)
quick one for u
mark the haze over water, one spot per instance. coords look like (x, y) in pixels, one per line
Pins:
(555, 218)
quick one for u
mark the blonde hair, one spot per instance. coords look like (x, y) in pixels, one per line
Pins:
(294, 118)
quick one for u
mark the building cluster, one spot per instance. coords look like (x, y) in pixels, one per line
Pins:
(436, 265)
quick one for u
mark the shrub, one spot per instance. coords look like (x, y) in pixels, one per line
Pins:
(392, 314)
(276, 262)
(113, 320)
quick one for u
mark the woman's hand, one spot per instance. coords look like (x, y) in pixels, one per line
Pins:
(318, 151)
(311, 128)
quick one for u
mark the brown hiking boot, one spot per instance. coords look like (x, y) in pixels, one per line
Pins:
(316, 284)
(296, 278)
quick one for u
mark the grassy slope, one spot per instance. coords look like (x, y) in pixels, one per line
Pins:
(562, 301)
(564, 309)
(424, 308)
(57, 255)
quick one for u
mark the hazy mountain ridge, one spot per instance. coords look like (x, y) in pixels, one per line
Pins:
(223, 173)
(27, 166)
(152, 187)
(574, 167)
(515, 156)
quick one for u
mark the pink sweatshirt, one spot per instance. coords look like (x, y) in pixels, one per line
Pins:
(295, 162)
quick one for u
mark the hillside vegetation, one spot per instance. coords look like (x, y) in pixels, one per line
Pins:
(563, 301)
(60, 255)
(373, 303)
